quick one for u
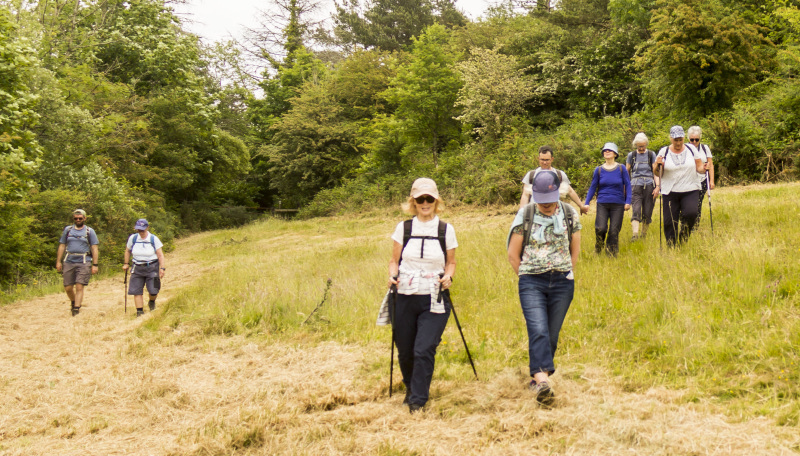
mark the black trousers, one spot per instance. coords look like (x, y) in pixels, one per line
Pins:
(606, 227)
(417, 333)
(679, 208)
(703, 190)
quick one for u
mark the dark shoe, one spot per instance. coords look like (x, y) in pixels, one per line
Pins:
(414, 408)
(408, 394)
(544, 395)
(151, 305)
(139, 312)
(75, 310)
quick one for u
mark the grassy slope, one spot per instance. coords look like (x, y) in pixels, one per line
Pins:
(718, 319)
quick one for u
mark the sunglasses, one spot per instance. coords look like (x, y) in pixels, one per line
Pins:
(77, 219)
(694, 139)
(424, 199)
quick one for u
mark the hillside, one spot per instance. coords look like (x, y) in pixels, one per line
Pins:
(693, 351)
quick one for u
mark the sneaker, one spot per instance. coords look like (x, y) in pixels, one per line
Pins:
(151, 305)
(414, 408)
(75, 310)
(544, 395)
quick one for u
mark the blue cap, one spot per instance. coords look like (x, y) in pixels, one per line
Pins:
(612, 147)
(545, 187)
(141, 224)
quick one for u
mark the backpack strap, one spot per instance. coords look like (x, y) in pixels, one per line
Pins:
(443, 239)
(569, 217)
(153, 241)
(527, 224)
(440, 236)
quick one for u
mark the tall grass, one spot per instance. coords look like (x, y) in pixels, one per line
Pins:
(717, 318)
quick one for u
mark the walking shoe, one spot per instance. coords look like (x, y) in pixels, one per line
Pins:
(408, 394)
(414, 408)
(75, 310)
(151, 305)
(544, 395)
(634, 238)
(139, 312)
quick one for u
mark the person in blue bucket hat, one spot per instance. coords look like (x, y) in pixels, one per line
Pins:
(149, 265)
(543, 248)
(612, 184)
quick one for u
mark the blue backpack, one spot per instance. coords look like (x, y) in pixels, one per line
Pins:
(138, 238)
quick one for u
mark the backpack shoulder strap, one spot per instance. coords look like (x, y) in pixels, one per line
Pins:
(569, 217)
(527, 224)
(442, 235)
(406, 232)
(651, 158)
(153, 241)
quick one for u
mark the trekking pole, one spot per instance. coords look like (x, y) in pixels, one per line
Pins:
(661, 215)
(710, 213)
(459, 329)
(393, 295)
(125, 291)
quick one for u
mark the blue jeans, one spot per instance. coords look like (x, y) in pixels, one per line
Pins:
(545, 299)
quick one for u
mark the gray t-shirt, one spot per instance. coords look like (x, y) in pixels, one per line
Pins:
(641, 168)
(78, 241)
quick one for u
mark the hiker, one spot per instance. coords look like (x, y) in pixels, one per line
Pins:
(545, 163)
(613, 186)
(423, 249)
(149, 265)
(543, 248)
(679, 164)
(695, 133)
(644, 184)
(78, 248)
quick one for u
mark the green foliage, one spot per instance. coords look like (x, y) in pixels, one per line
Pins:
(493, 93)
(425, 91)
(700, 56)
(390, 25)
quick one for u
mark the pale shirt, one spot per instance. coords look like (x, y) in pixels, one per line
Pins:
(418, 276)
(142, 251)
(680, 172)
(704, 153)
(527, 182)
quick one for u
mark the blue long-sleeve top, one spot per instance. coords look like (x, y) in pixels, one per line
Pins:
(612, 187)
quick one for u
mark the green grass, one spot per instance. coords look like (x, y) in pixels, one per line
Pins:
(718, 318)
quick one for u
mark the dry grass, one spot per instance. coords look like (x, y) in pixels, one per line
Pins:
(98, 384)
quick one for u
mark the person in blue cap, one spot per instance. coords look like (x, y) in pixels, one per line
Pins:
(149, 266)
(613, 186)
(543, 248)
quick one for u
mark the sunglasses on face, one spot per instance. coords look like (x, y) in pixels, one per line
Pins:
(77, 219)
(694, 139)
(424, 199)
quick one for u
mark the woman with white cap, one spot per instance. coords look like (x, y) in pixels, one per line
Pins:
(422, 266)
(612, 184)
(543, 248)
(149, 265)
(679, 165)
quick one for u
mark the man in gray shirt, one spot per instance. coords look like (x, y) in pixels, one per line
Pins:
(78, 248)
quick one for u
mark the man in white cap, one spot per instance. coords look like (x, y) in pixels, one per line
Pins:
(78, 248)
(149, 265)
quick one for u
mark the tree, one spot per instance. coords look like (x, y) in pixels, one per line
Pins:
(425, 91)
(390, 25)
(700, 56)
(495, 90)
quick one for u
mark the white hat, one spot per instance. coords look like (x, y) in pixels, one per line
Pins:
(424, 186)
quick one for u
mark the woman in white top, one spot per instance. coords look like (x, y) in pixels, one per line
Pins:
(679, 165)
(420, 267)
(695, 134)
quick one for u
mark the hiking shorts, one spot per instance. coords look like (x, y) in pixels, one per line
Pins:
(142, 275)
(73, 273)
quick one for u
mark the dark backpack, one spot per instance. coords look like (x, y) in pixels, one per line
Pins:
(650, 159)
(407, 237)
(620, 167)
(527, 223)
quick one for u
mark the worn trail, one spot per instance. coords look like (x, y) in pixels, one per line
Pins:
(94, 385)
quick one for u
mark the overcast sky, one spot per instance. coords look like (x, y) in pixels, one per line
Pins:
(216, 20)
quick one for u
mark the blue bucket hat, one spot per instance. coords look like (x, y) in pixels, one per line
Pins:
(545, 187)
(612, 147)
(141, 224)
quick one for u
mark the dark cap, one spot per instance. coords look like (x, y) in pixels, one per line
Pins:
(545, 187)
(141, 224)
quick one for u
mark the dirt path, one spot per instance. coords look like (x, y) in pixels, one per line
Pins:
(92, 385)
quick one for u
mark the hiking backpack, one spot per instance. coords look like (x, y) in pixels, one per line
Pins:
(527, 224)
(650, 160)
(442, 231)
(85, 237)
(135, 241)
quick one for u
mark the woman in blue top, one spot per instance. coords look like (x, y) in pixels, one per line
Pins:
(613, 187)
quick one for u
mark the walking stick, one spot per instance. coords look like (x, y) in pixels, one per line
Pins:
(710, 213)
(469, 356)
(126, 291)
(661, 215)
(393, 295)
